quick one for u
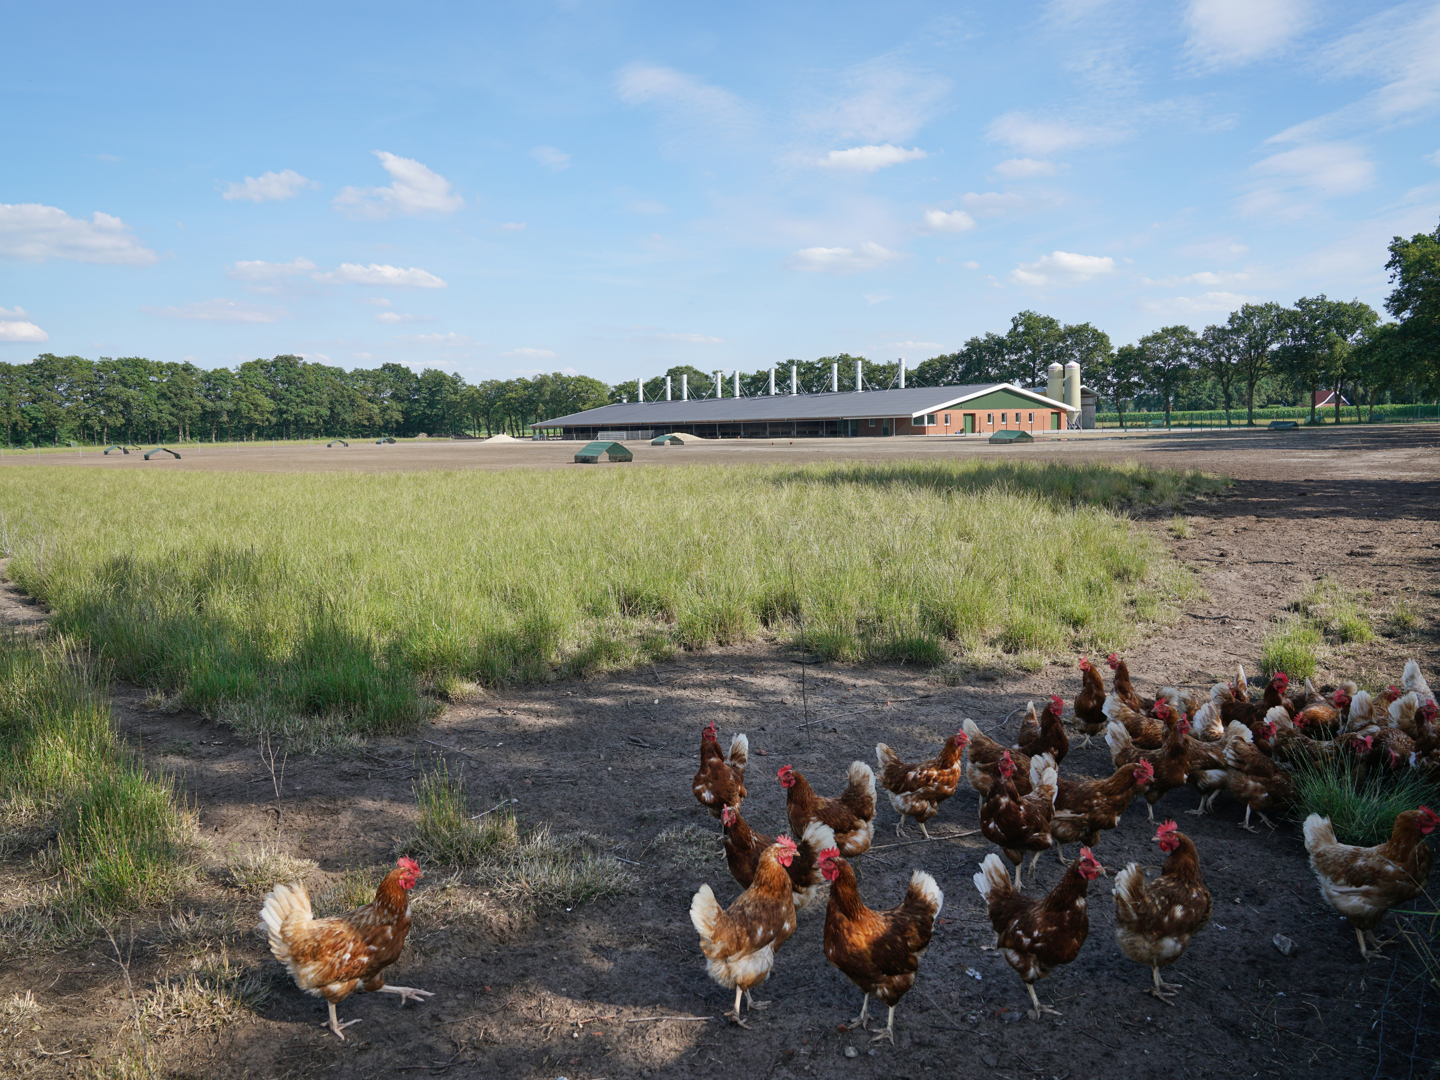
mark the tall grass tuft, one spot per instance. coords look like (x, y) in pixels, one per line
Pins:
(1292, 646)
(111, 836)
(328, 601)
(1361, 811)
(1331, 609)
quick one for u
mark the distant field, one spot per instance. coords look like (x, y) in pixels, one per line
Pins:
(341, 598)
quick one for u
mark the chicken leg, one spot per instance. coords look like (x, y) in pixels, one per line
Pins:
(734, 1014)
(338, 1028)
(889, 1032)
(1035, 1014)
(407, 993)
(1163, 990)
(859, 1021)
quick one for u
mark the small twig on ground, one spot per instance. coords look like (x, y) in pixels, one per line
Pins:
(124, 963)
(647, 1019)
(267, 756)
(497, 806)
(909, 843)
(452, 749)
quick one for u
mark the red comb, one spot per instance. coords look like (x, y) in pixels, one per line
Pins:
(1167, 828)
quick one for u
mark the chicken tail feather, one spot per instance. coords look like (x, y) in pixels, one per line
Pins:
(1130, 896)
(739, 751)
(885, 757)
(704, 910)
(993, 880)
(924, 893)
(1118, 739)
(1318, 833)
(863, 777)
(285, 902)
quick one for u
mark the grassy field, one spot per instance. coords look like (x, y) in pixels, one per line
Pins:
(331, 603)
(109, 836)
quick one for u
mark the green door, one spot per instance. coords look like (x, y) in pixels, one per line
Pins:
(969, 423)
(1054, 421)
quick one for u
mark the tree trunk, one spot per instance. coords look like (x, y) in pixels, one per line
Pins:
(1250, 404)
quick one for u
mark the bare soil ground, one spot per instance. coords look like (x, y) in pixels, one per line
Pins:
(576, 993)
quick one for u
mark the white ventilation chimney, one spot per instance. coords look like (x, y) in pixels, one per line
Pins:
(684, 386)
(667, 387)
(772, 382)
(719, 386)
(835, 378)
(737, 383)
(902, 373)
(794, 382)
(859, 376)
(639, 389)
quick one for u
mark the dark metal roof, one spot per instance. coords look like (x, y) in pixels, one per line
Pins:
(846, 405)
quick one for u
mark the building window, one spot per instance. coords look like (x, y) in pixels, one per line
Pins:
(930, 419)
(872, 421)
(1032, 418)
(990, 418)
(947, 419)
(1003, 420)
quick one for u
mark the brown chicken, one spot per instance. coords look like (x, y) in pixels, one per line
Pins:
(918, 790)
(1171, 761)
(1362, 884)
(743, 848)
(1019, 824)
(1252, 777)
(720, 780)
(982, 759)
(1120, 684)
(1036, 936)
(1045, 734)
(1086, 808)
(879, 951)
(739, 944)
(851, 814)
(1248, 711)
(332, 957)
(1090, 702)
(1147, 730)
(1155, 921)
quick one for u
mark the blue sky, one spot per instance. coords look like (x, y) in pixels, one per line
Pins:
(613, 188)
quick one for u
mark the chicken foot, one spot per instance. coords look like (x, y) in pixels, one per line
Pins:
(1035, 1013)
(1251, 828)
(751, 1003)
(889, 1032)
(859, 1021)
(338, 1028)
(1373, 949)
(1163, 990)
(734, 1014)
(407, 993)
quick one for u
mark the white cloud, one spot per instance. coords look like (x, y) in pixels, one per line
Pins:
(259, 270)
(1062, 268)
(1205, 304)
(640, 84)
(379, 274)
(1433, 159)
(876, 297)
(414, 189)
(1020, 168)
(882, 101)
(870, 158)
(1219, 250)
(1293, 180)
(1042, 138)
(394, 317)
(220, 310)
(528, 353)
(439, 340)
(378, 301)
(512, 226)
(34, 233)
(948, 221)
(268, 187)
(971, 265)
(843, 260)
(688, 339)
(1203, 277)
(1229, 33)
(912, 345)
(553, 159)
(15, 327)
(1399, 47)
(994, 203)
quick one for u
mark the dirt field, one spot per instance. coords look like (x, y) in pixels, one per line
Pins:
(576, 993)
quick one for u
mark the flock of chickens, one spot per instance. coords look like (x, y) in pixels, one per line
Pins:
(1229, 742)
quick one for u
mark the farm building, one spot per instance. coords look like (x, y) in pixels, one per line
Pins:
(938, 410)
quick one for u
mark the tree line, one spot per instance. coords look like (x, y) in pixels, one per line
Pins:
(1261, 354)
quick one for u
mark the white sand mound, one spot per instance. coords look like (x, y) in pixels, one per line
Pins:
(502, 439)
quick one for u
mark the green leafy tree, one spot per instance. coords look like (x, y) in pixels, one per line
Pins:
(1319, 335)
(1414, 267)
(1255, 333)
(1220, 352)
(1118, 378)
(1168, 356)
